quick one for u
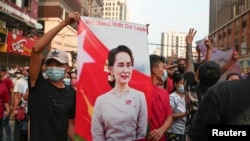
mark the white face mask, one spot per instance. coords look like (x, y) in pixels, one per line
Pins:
(165, 75)
(18, 75)
(181, 89)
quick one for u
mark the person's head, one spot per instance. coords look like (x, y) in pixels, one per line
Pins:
(233, 76)
(56, 65)
(18, 73)
(209, 73)
(158, 71)
(178, 80)
(120, 65)
(181, 62)
(26, 72)
(67, 78)
(3, 70)
(73, 77)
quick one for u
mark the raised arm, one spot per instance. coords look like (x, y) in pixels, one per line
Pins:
(208, 44)
(198, 50)
(189, 56)
(231, 62)
(171, 59)
(41, 44)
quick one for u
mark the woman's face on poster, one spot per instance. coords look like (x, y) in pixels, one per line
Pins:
(122, 68)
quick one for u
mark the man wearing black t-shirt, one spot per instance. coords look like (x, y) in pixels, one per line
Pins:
(51, 103)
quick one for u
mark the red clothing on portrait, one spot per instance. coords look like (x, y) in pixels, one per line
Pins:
(4, 97)
(160, 108)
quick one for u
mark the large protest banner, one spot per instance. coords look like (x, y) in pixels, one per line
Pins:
(96, 37)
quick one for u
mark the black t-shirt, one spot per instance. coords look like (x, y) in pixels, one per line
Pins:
(224, 103)
(49, 109)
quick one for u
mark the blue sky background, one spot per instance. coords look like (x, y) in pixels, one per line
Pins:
(169, 16)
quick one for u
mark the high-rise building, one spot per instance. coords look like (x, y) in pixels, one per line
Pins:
(115, 10)
(173, 43)
(229, 27)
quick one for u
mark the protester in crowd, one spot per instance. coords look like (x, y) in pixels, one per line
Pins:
(233, 76)
(181, 62)
(170, 67)
(9, 84)
(73, 76)
(209, 73)
(178, 105)
(121, 113)
(67, 78)
(20, 89)
(161, 114)
(51, 102)
(4, 106)
(226, 103)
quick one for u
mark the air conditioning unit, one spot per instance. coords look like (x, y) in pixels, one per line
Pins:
(2, 24)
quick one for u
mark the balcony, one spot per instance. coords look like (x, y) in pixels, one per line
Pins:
(26, 14)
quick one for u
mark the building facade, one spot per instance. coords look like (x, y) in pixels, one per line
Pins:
(173, 43)
(229, 27)
(115, 10)
(18, 31)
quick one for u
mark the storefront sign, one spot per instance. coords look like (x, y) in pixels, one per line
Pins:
(20, 45)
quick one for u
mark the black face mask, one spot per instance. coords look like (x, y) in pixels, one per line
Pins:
(181, 68)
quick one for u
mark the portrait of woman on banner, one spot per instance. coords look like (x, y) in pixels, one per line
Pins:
(121, 113)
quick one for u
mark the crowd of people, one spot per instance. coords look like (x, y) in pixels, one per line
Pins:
(186, 97)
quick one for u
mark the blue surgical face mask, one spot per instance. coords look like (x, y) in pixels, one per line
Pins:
(181, 89)
(165, 75)
(66, 81)
(55, 73)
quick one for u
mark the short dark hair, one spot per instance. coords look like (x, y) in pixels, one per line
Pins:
(189, 81)
(181, 59)
(155, 60)
(112, 54)
(3, 68)
(177, 76)
(209, 73)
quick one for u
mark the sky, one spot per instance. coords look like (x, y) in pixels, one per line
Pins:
(170, 16)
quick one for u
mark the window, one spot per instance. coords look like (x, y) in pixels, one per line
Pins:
(243, 47)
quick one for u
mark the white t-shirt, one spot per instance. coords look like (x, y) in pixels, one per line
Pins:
(179, 105)
(21, 86)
